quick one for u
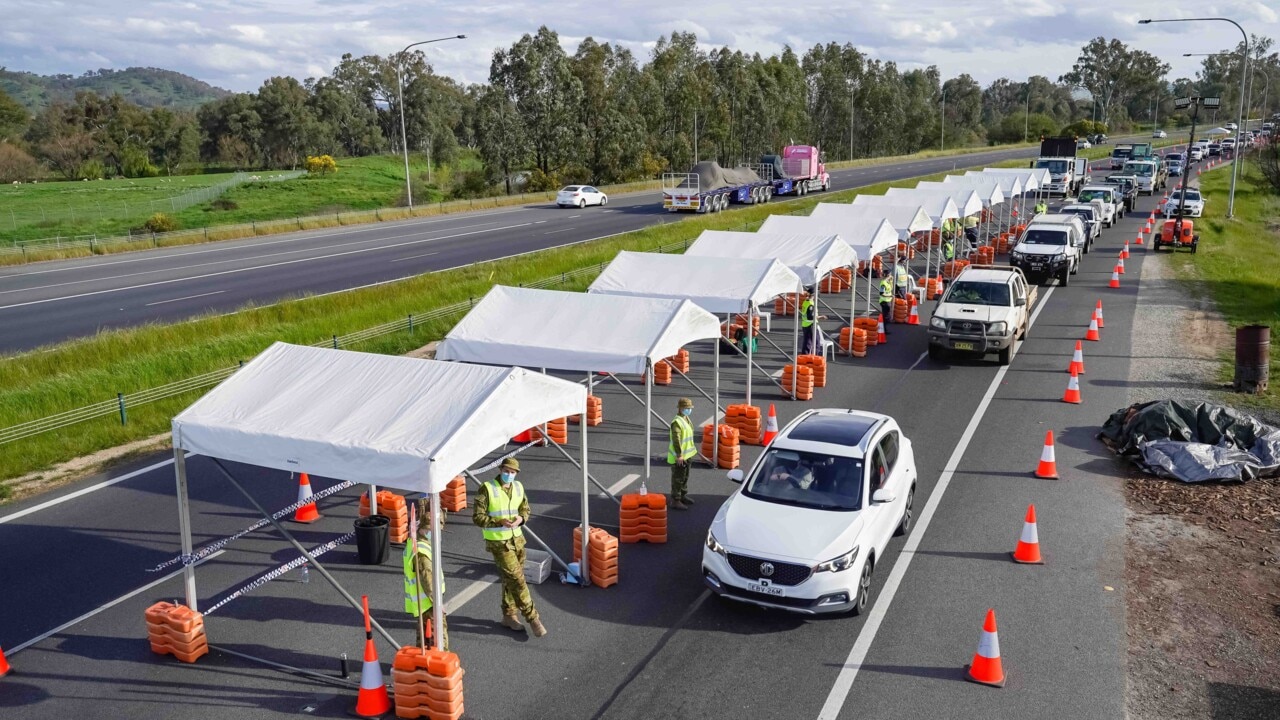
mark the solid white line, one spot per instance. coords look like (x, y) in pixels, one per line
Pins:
(415, 257)
(626, 480)
(453, 604)
(108, 606)
(844, 681)
(189, 297)
(553, 232)
(84, 491)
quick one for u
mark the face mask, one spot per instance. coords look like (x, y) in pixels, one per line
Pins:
(507, 477)
(686, 412)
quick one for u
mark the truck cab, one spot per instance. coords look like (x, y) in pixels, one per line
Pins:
(1120, 154)
(1111, 203)
(1146, 173)
(1066, 170)
(804, 166)
(984, 310)
(1050, 247)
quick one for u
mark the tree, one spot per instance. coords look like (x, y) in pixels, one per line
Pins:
(504, 144)
(289, 129)
(535, 74)
(963, 108)
(613, 133)
(1114, 74)
(232, 131)
(13, 118)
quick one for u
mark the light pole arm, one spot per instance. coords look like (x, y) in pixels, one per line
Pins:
(404, 140)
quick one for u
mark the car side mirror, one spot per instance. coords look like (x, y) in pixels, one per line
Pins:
(883, 495)
(1020, 301)
(735, 475)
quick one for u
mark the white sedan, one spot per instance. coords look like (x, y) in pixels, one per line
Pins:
(815, 515)
(580, 196)
(1193, 200)
(1159, 134)
(1083, 144)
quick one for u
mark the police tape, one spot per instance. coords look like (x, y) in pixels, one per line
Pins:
(213, 547)
(291, 565)
(511, 454)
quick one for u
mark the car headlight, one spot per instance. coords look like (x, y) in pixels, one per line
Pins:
(839, 564)
(938, 323)
(714, 545)
(1015, 255)
(997, 327)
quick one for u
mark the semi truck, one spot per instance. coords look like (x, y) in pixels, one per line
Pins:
(799, 170)
(1066, 170)
(709, 188)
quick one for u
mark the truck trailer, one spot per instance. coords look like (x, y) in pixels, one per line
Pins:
(710, 188)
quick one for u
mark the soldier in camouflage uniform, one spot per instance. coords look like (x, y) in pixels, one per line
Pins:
(418, 576)
(500, 509)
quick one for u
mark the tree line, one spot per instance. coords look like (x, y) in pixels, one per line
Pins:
(601, 115)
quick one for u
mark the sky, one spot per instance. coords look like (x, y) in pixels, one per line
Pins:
(237, 44)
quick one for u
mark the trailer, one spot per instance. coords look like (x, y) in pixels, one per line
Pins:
(711, 188)
(799, 170)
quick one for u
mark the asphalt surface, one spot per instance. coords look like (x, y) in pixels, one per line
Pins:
(656, 645)
(49, 302)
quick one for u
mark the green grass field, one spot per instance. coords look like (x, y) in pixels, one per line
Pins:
(1238, 263)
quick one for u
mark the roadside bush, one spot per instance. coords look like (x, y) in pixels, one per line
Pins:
(1268, 161)
(16, 165)
(321, 165)
(159, 223)
(224, 204)
(91, 170)
(469, 184)
(1014, 128)
(1083, 128)
(136, 164)
(542, 182)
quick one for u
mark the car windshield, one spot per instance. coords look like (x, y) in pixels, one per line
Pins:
(805, 479)
(1045, 237)
(977, 293)
(1086, 213)
(1190, 195)
(1140, 169)
(1173, 157)
(570, 188)
(1121, 152)
(1057, 167)
(1087, 195)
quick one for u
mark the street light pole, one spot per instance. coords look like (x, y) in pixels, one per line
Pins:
(1244, 57)
(404, 141)
(1026, 117)
(942, 122)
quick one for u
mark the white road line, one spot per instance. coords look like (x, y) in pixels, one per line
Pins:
(626, 480)
(574, 216)
(844, 681)
(415, 257)
(553, 232)
(113, 603)
(83, 491)
(189, 297)
(538, 222)
(453, 604)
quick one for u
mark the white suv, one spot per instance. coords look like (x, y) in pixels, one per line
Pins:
(815, 514)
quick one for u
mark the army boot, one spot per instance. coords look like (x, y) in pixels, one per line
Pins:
(513, 622)
(538, 629)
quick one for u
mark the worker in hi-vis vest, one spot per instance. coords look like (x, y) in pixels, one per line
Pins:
(418, 578)
(886, 301)
(680, 452)
(501, 508)
(810, 336)
(1042, 207)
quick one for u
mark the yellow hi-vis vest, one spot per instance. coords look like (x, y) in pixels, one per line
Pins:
(685, 429)
(805, 307)
(1041, 208)
(502, 507)
(416, 599)
(886, 290)
(948, 250)
(903, 279)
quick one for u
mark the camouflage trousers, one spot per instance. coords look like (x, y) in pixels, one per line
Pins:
(680, 480)
(444, 630)
(508, 557)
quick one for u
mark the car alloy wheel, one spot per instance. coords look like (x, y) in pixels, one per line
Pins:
(864, 589)
(905, 525)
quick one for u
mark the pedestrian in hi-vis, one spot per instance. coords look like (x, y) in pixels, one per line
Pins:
(680, 452)
(501, 508)
(417, 577)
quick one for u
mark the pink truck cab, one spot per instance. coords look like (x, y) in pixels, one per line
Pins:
(803, 164)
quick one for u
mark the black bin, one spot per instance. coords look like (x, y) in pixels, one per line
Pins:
(373, 539)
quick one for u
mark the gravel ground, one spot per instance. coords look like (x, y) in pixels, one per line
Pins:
(1202, 562)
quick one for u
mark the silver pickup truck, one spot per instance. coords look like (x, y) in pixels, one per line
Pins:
(984, 310)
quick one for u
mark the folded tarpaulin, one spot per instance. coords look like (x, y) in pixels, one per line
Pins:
(1194, 442)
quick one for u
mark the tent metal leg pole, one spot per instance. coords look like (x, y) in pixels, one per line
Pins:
(184, 525)
(583, 568)
(637, 398)
(648, 421)
(751, 344)
(756, 365)
(795, 345)
(570, 458)
(715, 410)
(437, 572)
(373, 499)
(294, 542)
(528, 532)
(695, 385)
(321, 677)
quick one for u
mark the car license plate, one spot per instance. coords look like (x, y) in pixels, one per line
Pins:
(963, 346)
(1037, 266)
(766, 589)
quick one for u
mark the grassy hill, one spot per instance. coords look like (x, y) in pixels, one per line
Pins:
(148, 87)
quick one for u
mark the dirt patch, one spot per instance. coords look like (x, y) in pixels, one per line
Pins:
(82, 467)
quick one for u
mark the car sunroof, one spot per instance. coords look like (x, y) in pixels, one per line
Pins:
(835, 429)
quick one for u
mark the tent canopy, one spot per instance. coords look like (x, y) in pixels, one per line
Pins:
(966, 200)
(810, 255)
(867, 237)
(719, 285)
(575, 331)
(904, 219)
(1011, 185)
(404, 423)
(1032, 178)
(938, 209)
(988, 192)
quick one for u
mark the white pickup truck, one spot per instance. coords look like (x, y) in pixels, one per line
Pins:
(986, 309)
(1050, 248)
(1112, 204)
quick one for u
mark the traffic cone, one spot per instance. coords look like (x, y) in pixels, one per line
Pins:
(307, 513)
(881, 338)
(1115, 278)
(1097, 312)
(1077, 360)
(914, 317)
(1073, 390)
(1048, 467)
(373, 700)
(1120, 264)
(1124, 251)
(1139, 240)
(986, 668)
(771, 426)
(1028, 550)
(4, 664)
(1092, 332)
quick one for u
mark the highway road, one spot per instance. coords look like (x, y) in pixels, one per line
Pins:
(45, 303)
(656, 645)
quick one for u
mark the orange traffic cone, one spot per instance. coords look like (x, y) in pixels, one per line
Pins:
(1124, 251)
(1120, 264)
(307, 513)
(1028, 550)
(1077, 360)
(881, 338)
(1139, 240)
(1097, 312)
(4, 664)
(1115, 278)
(373, 700)
(1073, 390)
(914, 317)
(1048, 467)
(986, 668)
(771, 426)
(1092, 332)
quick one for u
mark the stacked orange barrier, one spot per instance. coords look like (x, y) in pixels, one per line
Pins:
(680, 361)
(427, 684)
(833, 284)
(804, 387)
(900, 310)
(748, 421)
(984, 255)
(662, 371)
(845, 274)
(392, 506)
(952, 268)
(643, 518)
(729, 452)
(741, 321)
(853, 341)
(558, 429)
(788, 304)
(603, 568)
(454, 497)
(176, 630)
(933, 288)
(818, 364)
(906, 251)
(877, 265)
(869, 325)
(595, 411)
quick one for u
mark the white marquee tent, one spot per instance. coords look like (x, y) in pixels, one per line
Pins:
(905, 220)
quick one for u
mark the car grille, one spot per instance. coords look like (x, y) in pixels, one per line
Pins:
(966, 327)
(783, 573)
